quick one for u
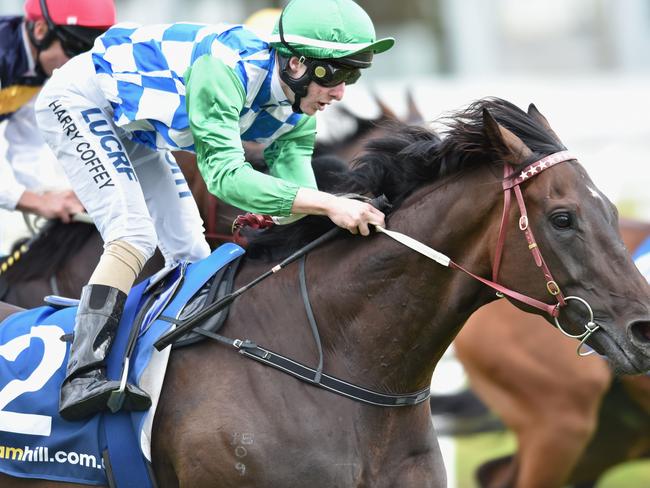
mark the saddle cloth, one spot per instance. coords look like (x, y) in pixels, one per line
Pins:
(34, 441)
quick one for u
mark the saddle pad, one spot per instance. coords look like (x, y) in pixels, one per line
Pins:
(34, 441)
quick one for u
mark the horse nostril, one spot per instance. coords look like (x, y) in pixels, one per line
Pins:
(641, 330)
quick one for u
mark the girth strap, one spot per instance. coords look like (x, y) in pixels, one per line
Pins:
(316, 378)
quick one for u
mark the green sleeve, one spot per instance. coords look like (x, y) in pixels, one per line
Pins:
(289, 156)
(215, 97)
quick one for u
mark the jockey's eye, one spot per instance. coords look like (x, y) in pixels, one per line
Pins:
(562, 220)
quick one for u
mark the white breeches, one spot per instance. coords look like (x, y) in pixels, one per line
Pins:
(133, 193)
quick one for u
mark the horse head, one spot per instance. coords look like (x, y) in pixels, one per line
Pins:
(603, 299)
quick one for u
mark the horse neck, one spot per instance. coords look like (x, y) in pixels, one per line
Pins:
(400, 310)
(6, 310)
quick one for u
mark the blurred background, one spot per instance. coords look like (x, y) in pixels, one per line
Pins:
(584, 63)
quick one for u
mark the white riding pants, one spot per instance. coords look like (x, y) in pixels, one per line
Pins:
(132, 192)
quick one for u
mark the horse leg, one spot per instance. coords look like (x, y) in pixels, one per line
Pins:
(498, 473)
(550, 450)
(545, 394)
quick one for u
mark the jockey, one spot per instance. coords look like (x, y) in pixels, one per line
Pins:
(112, 115)
(31, 48)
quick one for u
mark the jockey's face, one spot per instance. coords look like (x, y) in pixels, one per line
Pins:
(318, 97)
(53, 56)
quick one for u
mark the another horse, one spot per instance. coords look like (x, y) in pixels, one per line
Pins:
(386, 314)
(59, 261)
(553, 401)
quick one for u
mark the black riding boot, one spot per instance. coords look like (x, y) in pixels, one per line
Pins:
(86, 389)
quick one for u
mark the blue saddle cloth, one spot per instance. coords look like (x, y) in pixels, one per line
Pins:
(34, 441)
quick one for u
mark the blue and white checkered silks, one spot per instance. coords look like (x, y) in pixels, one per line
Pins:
(141, 68)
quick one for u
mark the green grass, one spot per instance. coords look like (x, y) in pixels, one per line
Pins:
(474, 450)
(635, 474)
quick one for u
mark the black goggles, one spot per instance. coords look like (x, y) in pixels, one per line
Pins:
(328, 74)
(77, 40)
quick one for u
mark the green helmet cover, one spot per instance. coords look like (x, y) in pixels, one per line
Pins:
(327, 29)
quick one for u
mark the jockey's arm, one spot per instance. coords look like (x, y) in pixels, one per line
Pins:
(215, 97)
(28, 164)
(10, 190)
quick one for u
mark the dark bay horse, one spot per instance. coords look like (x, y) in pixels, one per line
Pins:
(59, 261)
(386, 314)
(553, 450)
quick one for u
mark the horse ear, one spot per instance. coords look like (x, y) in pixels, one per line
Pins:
(386, 112)
(510, 147)
(414, 115)
(539, 118)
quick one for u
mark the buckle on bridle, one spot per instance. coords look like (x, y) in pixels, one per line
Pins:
(523, 222)
(553, 288)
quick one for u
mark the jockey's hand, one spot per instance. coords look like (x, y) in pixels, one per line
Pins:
(52, 204)
(354, 215)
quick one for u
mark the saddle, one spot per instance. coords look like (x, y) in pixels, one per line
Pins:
(214, 289)
(220, 285)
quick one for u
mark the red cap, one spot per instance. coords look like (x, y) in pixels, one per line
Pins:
(84, 13)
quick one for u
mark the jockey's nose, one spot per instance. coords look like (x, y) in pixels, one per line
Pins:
(338, 91)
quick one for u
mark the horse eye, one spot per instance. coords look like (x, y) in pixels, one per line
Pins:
(562, 220)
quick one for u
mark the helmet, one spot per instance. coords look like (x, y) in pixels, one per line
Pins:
(333, 38)
(326, 29)
(75, 23)
(84, 13)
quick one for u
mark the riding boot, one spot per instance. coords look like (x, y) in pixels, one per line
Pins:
(86, 389)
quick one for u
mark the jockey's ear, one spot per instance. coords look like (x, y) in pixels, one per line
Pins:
(541, 120)
(507, 144)
(40, 29)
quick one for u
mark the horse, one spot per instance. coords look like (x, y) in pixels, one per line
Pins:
(57, 261)
(554, 450)
(386, 313)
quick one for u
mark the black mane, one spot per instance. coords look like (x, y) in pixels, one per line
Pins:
(53, 245)
(407, 157)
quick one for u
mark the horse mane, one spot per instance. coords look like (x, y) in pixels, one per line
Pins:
(48, 252)
(407, 157)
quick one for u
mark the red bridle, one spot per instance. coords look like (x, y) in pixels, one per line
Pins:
(511, 184)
